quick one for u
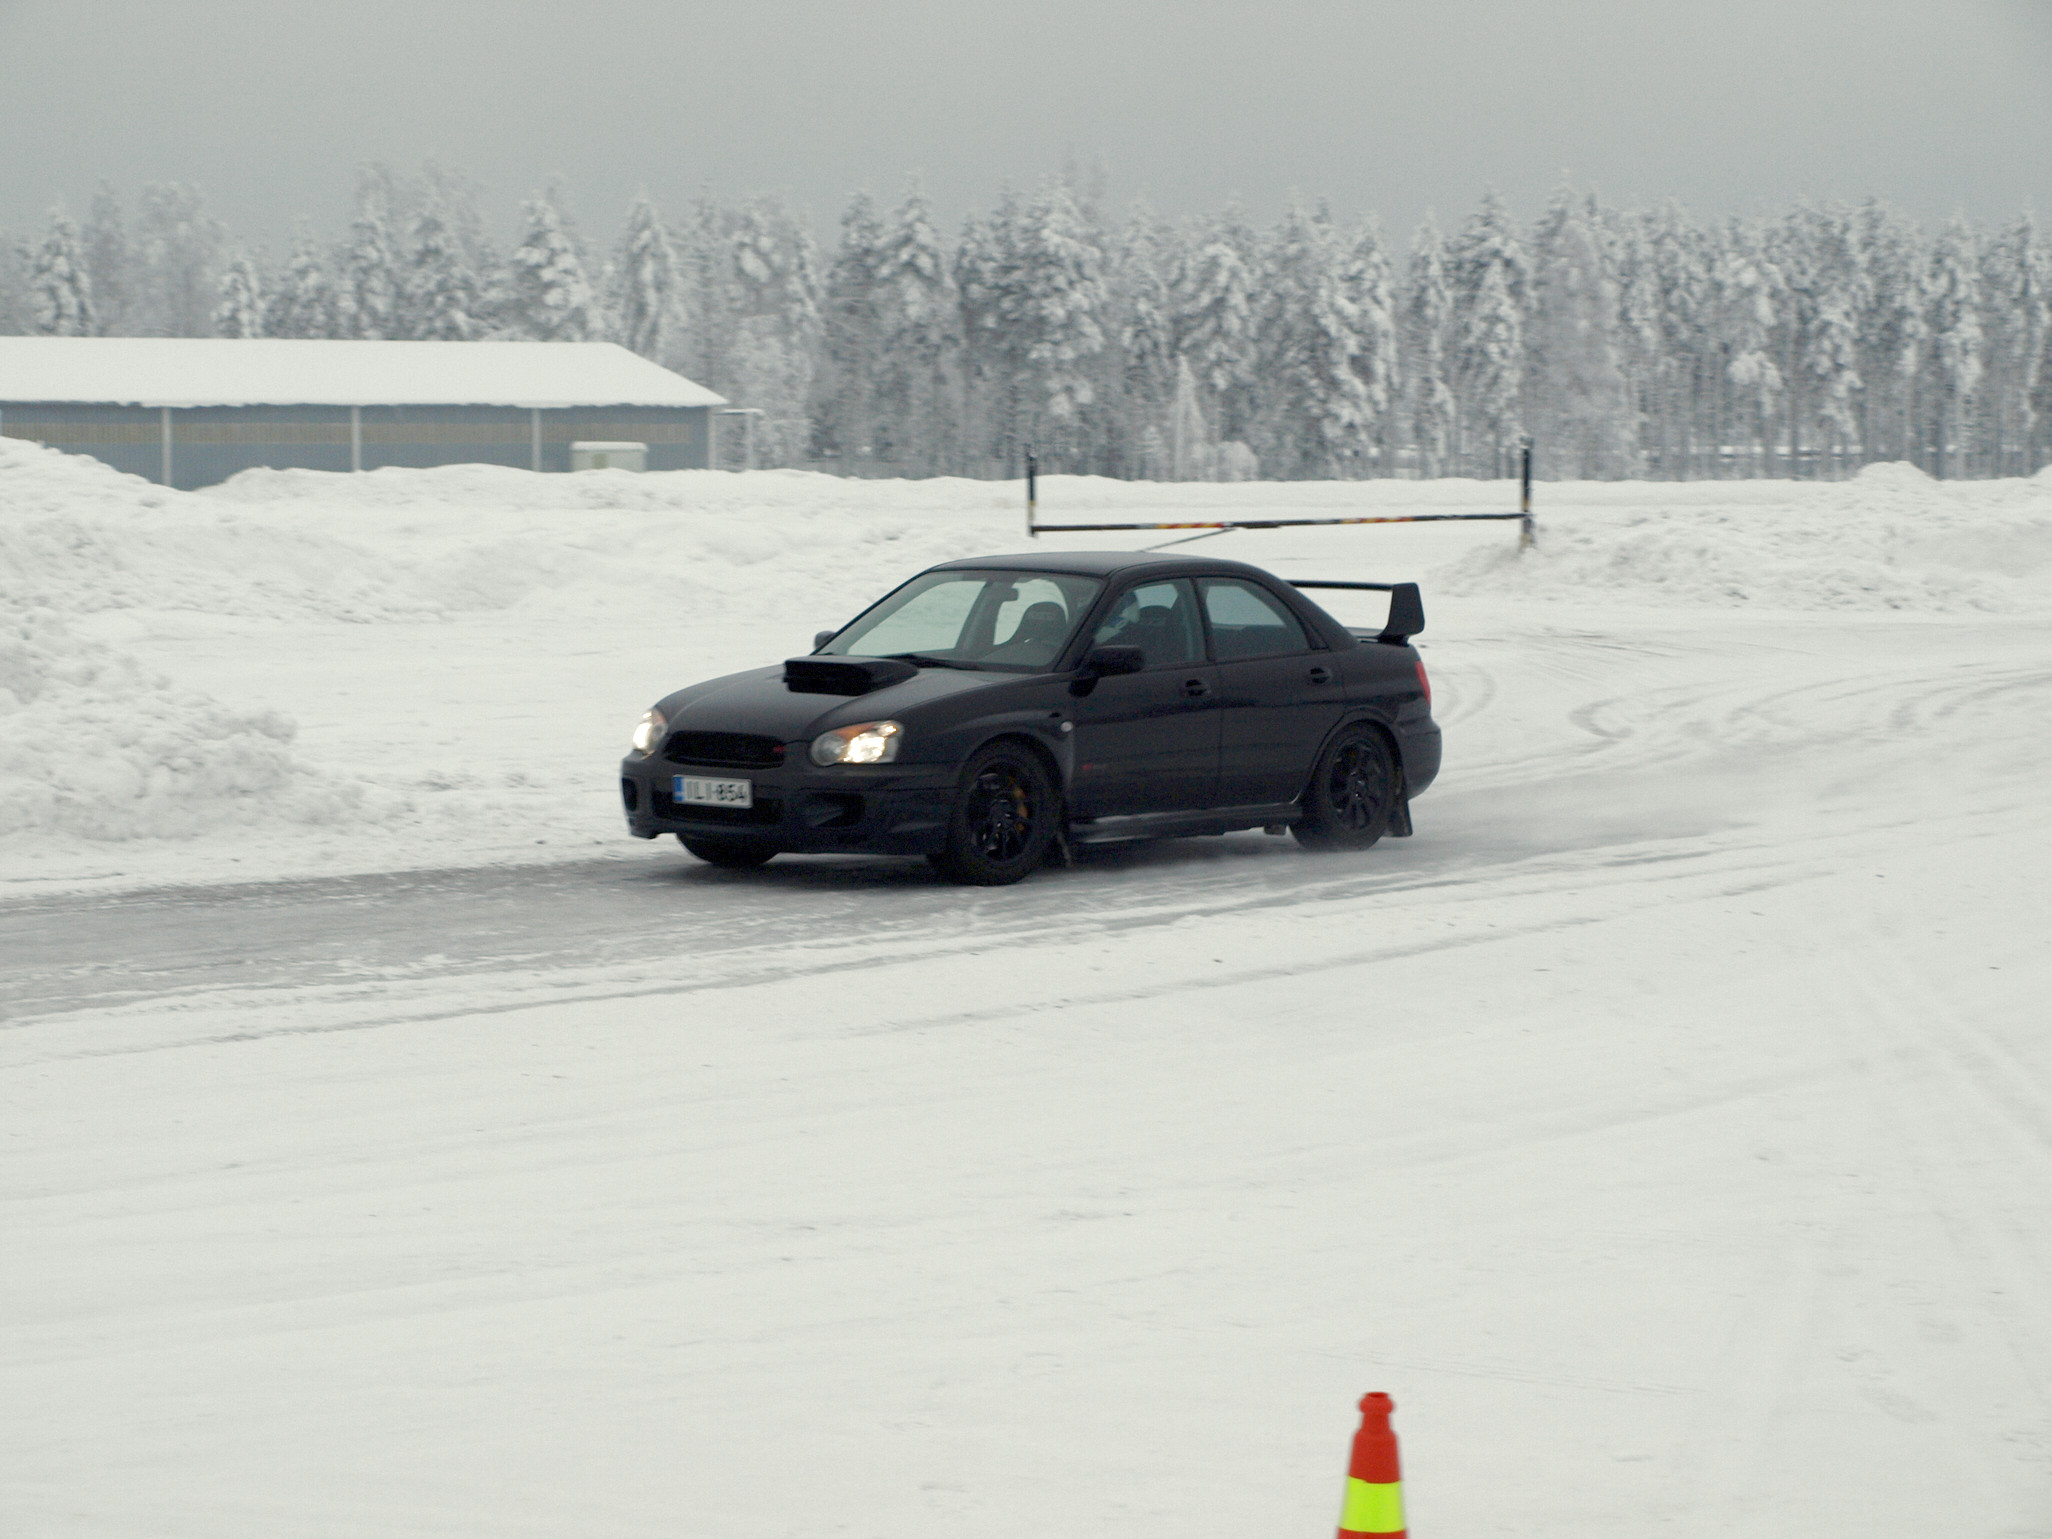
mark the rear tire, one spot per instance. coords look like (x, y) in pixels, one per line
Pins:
(1352, 794)
(1003, 818)
(728, 855)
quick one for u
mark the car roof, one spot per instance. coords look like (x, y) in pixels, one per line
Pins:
(1097, 563)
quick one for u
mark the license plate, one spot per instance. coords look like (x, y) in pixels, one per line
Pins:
(696, 792)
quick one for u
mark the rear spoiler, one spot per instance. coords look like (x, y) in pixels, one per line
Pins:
(1406, 607)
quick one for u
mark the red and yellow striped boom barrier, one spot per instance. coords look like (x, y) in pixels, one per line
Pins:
(1284, 523)
(1523, 517)
(1374, 1507)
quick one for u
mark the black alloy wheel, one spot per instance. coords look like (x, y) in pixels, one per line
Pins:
(1003, 818)
(729, 854)
(1352, 794)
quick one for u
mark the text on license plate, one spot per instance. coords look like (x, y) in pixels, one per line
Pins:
(711, 793)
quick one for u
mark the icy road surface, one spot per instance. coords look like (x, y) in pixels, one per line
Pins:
(1668, 1126)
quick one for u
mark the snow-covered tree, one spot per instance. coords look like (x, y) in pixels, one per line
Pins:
(1192, 451)
(987, 279)
(60, 284)
(775, 284)
(1060, 298)
(1370, 282)
(178, 261)
(303, 303)
(1635, 274)
(1577, 402)
(16, 307)
(552, 297)
(1747, 285)
(240, 312)
(1315, 412)
(705, 280)
(1956, 345)
(368, 297)
(455, 196)
(438, 300)
(1427, 336)
(852, 337)
(1213, 292)
(2016, 285)
(1893, 333)
(919, 318)
(1489, 279)
(1141, 308)
(644, 294)
(1686, 370)
(1820, 262)
(109, 263)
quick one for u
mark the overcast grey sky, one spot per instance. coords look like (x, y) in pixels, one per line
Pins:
(1729, 105)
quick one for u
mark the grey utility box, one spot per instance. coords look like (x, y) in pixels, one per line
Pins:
(608, 456)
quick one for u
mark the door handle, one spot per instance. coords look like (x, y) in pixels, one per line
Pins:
(1196, 689)
(1321, 675)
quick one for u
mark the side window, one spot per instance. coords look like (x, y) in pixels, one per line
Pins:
(1160, 618)
(1247, 622)
(1031, 625)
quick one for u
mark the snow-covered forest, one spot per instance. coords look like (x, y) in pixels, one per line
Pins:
(1627, 342)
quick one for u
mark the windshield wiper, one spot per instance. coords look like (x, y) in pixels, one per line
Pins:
(926, 661)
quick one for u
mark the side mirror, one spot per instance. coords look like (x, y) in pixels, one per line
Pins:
(821, 638)
(1100, 661)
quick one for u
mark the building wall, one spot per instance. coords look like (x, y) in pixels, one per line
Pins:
(210, 444)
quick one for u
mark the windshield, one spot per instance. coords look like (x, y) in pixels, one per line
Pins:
(1011, 621)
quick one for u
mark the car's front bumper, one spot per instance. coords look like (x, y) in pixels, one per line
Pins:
(884, 809)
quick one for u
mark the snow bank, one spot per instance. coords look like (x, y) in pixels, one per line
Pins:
(508, 570)
(1889, 539)
(95, 746)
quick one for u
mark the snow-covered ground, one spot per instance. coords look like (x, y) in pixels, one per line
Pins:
(1668, 1125)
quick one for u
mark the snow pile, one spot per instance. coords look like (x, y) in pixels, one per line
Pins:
(704, 543)
(96, 746)
(79, 537)
(392, 544)
(394, 612)
(1889, 539)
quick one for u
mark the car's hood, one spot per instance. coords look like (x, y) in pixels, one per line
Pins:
(760, 701)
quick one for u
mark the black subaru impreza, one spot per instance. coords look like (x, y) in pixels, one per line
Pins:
(991, 713)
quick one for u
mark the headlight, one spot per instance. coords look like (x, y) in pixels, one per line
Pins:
(872, 742)
(648, 732)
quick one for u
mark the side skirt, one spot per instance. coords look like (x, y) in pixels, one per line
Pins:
(1174, 825)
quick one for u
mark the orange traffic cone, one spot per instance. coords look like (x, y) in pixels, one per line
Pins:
(1375, 1488)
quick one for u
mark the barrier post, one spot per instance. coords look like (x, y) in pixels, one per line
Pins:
(1527, 537)
(1031, 494)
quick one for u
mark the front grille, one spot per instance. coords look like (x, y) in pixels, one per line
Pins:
(768, 810)
(742, 750)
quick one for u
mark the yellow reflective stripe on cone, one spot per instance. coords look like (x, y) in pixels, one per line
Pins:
(1373, 1508)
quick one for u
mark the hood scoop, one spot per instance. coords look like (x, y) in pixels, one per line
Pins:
(844, 675)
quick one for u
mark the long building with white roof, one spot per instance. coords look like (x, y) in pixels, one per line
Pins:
(191, 411)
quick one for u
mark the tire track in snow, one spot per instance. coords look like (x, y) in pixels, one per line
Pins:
(1605, 890)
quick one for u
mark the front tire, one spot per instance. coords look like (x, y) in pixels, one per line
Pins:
(1352, 794)
(728, 855)
(1003, 818)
